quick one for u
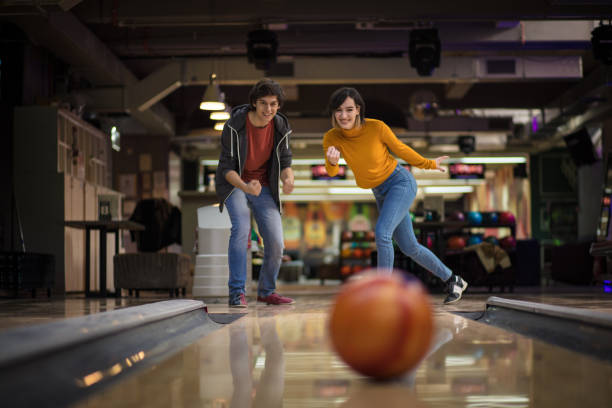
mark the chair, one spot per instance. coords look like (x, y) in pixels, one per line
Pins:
(151, 271)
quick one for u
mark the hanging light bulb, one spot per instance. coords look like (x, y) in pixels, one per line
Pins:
(212, 99)
(220, 115)
(219, 125)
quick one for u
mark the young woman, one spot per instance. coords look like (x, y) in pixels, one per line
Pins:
(365, 144)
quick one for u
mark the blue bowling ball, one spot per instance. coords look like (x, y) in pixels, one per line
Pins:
(492, 240)
(492, 218)
(474, 217)
(474, 239)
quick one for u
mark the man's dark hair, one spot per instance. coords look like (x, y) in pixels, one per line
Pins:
(266, 87)
(339, 96)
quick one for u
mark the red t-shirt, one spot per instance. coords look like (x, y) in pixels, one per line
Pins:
(260, 141)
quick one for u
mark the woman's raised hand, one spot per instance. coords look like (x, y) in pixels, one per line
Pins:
(333, 155)
(438, 161)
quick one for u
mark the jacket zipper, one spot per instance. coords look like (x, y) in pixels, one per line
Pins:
(232, 152)
(280, 202)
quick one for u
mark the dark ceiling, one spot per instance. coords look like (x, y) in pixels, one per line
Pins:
(146, 35)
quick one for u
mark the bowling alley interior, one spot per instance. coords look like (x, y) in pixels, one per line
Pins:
(114, 259)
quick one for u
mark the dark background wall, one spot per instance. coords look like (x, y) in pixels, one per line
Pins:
(29, 75)
(135, 149)
(12, 48)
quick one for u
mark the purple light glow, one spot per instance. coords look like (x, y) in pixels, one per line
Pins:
(534, 124)
(507, 24)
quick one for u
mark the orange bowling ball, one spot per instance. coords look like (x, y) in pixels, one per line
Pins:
(456, 242)
(381, 325)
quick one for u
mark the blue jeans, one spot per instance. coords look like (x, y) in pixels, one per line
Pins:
(394, 198)
(239, 206)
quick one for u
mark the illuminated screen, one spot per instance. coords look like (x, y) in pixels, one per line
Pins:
(318, 172)
(466, 171)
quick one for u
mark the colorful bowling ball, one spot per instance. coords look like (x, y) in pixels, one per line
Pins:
(412, 216)
(370, 235)
(429, 216)
(508, 242)
(381, 325)
(492, 240)
(506, 218)
(429, 242)
(345, 270)
(357, 268)
(456, 242)
(457, 216)
(357, 252)
(345, 253)
(491, 218)
(474, 218)
(474, 239)
(347, 235)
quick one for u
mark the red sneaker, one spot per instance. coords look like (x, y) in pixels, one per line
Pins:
(275, 299)
(238, 301)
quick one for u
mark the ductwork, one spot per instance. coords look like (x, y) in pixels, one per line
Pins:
(317, 70)
(65, 36)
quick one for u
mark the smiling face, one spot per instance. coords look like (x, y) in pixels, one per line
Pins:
(265, 109)
(346, 114)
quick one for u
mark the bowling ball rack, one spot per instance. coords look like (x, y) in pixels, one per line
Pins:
(356, 253)
(466, 263)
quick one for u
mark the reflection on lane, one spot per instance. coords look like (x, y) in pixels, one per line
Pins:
(268, 390)
(283, 358)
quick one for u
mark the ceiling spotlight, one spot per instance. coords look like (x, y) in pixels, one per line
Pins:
(261, 48)
(219, 125)
(601, 41)
(213, 97)
(424, 50)
(467, 144)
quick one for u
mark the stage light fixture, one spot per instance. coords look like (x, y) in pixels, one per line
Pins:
(261, 48)
(601, 41)
(424, 50)
(467, 144)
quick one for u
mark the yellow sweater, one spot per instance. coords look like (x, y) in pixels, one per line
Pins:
(366, 151)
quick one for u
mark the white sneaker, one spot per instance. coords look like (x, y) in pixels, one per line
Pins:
(456, 286)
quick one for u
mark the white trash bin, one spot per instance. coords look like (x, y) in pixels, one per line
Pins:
(211, 266)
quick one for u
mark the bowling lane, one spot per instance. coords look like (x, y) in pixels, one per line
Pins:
(280, 356)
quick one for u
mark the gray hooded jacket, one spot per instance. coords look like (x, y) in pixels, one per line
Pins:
(234, 148)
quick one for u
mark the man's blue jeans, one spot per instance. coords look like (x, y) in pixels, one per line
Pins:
(239, 206)
(394, 198)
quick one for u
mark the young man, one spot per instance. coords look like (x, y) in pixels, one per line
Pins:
(255, 155)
